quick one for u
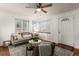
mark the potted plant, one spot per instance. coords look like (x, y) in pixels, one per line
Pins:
(34, 37)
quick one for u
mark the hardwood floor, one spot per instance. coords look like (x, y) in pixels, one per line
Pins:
(4, 51)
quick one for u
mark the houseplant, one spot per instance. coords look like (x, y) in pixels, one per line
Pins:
(34, 37)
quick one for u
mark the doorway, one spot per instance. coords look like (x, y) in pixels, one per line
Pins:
(66, 30)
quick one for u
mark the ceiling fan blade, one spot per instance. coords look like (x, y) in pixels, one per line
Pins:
(49, 5)
(40, 4)
(43, 10)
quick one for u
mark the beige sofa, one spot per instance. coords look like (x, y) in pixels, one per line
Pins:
(20, 38)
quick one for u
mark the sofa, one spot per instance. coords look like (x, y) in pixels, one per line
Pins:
(18, 38)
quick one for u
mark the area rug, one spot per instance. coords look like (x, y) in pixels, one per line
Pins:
(19, 50)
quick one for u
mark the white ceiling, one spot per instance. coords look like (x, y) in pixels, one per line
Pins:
(20, 8)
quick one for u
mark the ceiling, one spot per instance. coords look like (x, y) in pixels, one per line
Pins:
(20, 8)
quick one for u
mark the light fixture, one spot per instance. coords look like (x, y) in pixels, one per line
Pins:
(38, 9)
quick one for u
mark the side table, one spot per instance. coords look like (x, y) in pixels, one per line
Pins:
(32, 51)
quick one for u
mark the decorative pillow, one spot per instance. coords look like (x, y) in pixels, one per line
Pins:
(26, 36)
(19, 36)
(16, 36)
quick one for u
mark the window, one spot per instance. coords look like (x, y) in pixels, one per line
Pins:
(41, 26)
(21, 25)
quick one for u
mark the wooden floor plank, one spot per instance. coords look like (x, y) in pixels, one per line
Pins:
(4, 51)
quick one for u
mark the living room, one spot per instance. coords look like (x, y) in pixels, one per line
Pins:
(54, 24)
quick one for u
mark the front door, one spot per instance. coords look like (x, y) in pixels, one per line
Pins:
(65, 30)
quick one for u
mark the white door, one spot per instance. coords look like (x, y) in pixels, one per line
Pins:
(65, 32)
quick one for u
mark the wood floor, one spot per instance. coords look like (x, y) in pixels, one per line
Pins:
(4, 51)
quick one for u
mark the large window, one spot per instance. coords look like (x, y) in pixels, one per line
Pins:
(35, 26)
(41, 26)
(21, 25)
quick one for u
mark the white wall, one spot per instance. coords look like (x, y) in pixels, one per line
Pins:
(75, 14)
(6, 26)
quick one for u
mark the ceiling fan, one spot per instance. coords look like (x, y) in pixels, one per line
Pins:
(40, 6)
